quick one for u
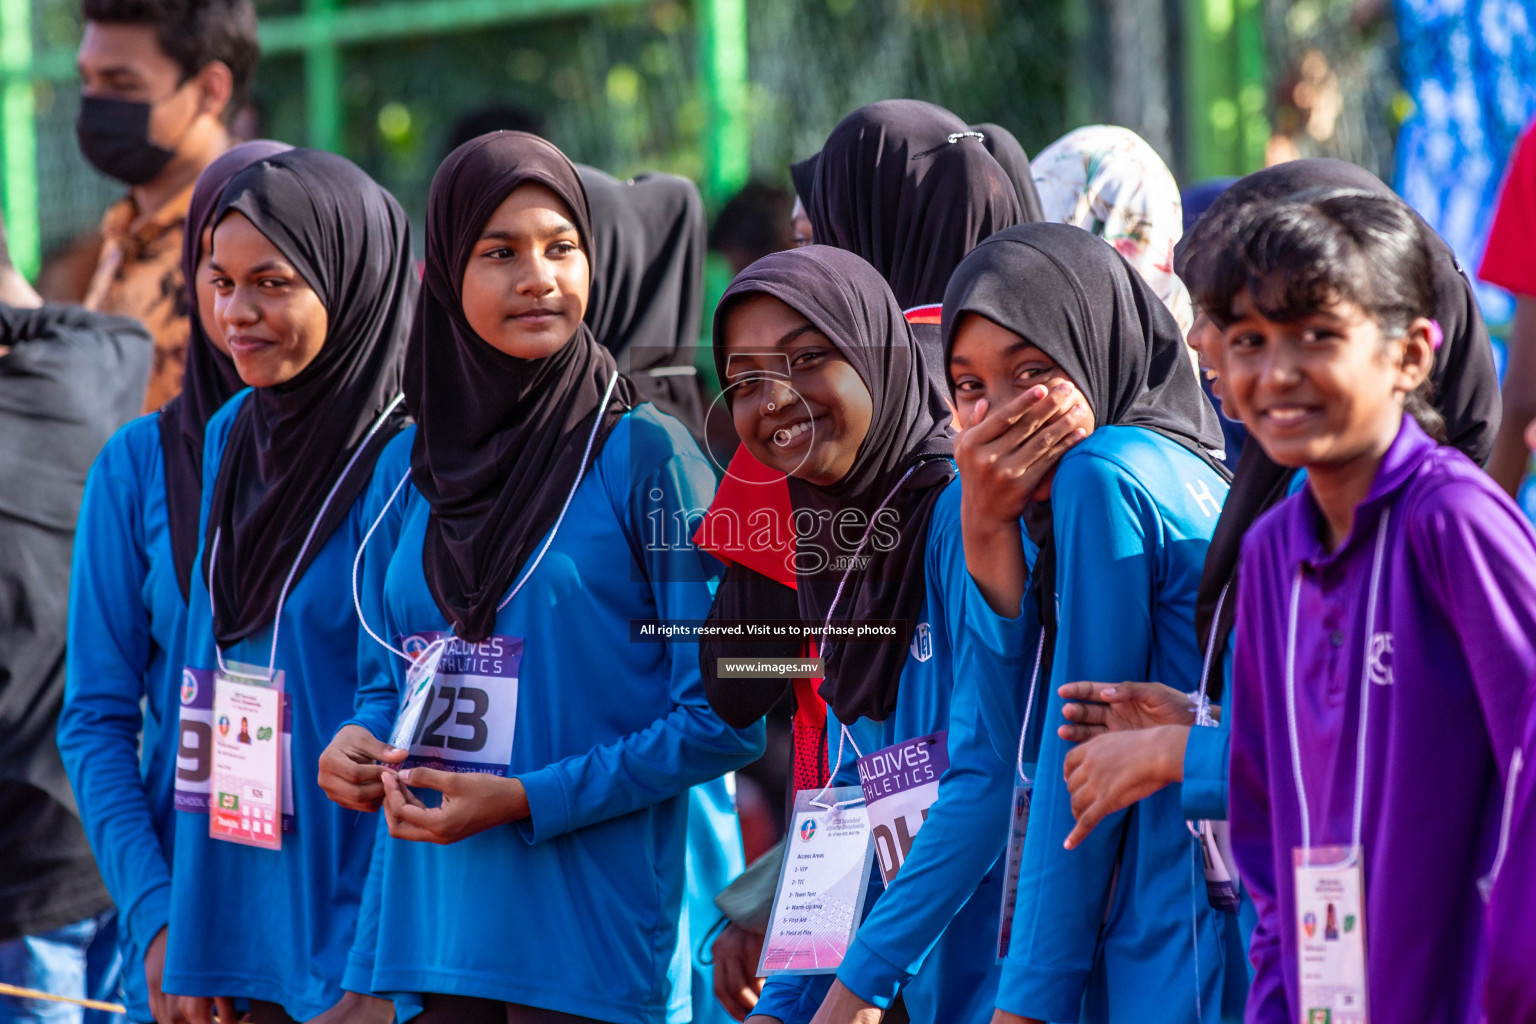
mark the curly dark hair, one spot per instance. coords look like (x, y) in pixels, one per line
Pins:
(1318, 246)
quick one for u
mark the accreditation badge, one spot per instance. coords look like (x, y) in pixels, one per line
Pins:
(1330, 935)
(460, 703)
(194, 748)
(246, 784)
(900, 784)
(1013, 861)
(822, 884)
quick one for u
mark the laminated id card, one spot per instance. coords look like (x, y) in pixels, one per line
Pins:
(1018, 824)
(245, 788)
(820, 896)
(418, 693)
(900, 783)
(1330, 935)
(194, 749)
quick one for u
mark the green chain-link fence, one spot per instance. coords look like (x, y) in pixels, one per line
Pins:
(714, 89)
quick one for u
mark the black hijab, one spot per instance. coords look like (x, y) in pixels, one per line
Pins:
(802, 175)
(290, 443)
(210, 378)
(911, 188)
(1466, 385)
(1078, 301)
(1007, 151)
(499, 440)
(845, 299)
(647, 299)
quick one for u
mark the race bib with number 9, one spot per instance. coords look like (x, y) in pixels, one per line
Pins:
(467, 720)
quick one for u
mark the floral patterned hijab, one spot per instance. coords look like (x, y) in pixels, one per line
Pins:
(1109, 181)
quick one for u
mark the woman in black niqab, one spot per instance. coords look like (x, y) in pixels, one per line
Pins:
(648, 284)
(1009, 153)
(292, 443)
(499, 440)
(210, 378)
(911, 188)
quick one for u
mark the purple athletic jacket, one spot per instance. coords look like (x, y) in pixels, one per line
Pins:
(1453, 651)
(1511, 993)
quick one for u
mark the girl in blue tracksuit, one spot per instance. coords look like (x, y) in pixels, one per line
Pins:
(534, 870)
(134, 549)
(1117, 928)
(314, 290)
(827, 386)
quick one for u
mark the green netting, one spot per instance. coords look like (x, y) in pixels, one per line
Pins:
(620, 88)
(71, 194)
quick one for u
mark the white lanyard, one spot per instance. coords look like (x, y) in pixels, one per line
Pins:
(1202, 697)
(832, 772)
(1365, 697)
(836, 597)
(1029, 706)
(1203, 702)
(528, 572)
(282, 595)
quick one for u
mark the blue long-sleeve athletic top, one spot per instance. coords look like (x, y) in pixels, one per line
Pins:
(933, 933)
(127, 623)
(577, 907)
(1105, 932)
(277, 925)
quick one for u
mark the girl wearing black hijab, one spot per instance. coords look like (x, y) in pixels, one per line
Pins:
(134, 550)
(539, 527)
(314, 290)
(1102, 930)
(910, 188)
(826, 385)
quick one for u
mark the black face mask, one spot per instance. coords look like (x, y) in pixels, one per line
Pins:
(114, 137)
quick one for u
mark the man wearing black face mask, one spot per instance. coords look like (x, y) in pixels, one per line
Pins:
(160, 80)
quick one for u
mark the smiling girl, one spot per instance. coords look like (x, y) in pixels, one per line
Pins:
(311, 269)
(829, 386)
(553, 757)
(1103, 931)
(1386, 616)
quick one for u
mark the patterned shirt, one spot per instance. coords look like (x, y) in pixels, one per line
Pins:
(139, 275)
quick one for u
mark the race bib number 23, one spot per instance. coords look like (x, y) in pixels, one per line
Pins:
(469, 714)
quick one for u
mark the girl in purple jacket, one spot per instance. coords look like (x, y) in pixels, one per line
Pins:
(1386, 630)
